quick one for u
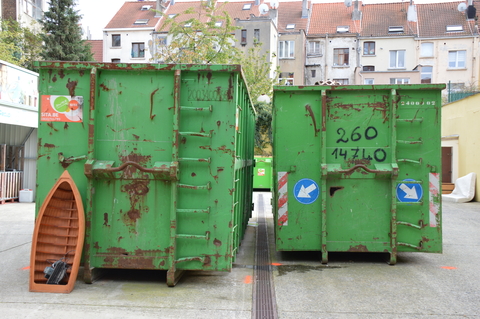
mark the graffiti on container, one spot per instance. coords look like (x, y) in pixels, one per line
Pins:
(209, 95)
(379, 154)
(370, 133)
(355, 135)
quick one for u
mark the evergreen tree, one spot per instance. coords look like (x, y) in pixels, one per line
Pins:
(62, 33)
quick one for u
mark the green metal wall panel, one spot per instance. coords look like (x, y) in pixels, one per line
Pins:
(262, 178)
(162, 156)
(357, 168)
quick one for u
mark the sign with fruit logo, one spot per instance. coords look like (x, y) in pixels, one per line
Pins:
(61, 108)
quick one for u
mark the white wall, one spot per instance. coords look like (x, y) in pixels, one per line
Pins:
(124, 52)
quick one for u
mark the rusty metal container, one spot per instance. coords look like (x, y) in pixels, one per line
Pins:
(357, 168)
(262, 178)
(162, 156)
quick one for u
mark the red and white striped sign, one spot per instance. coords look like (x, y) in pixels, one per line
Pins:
(434, 190)
(282, 199)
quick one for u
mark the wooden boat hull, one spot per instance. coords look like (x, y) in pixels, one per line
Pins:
(59, 233)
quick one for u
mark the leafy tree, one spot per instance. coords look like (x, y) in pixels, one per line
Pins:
(62, 34)
(19, 45)
(194, 41)
(263, 132)
(256, 69)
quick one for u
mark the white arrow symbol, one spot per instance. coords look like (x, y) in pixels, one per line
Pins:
(411, 193)
(305, 192)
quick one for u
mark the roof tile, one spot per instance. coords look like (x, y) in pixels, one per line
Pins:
(131, 12)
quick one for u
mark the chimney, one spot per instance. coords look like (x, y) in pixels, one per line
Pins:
(304, 9)
(471, 10)
(273, 14)
(412, 12)
(356, 14)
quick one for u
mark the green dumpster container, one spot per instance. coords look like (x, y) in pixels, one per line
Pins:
(162, 156)
(357, 169)
(262, 178)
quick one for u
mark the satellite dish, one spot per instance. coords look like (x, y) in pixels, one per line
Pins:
(462, 7)
(263, 8)
(348, 3)
(274, 4)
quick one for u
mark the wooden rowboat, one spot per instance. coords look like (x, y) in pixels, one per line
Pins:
(58, 236)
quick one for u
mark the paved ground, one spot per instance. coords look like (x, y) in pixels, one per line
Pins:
(351, 286)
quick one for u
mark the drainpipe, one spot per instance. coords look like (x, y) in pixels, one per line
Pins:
(325, 75)
(358, 58)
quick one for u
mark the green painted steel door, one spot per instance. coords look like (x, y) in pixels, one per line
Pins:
(357, 169)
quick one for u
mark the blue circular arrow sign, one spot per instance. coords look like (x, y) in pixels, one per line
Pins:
(306, 191)
(409, 192)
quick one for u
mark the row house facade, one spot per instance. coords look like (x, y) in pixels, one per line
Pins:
(394, 43)
(27, 12)
(347, 42)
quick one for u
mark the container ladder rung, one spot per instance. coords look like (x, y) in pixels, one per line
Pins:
(194, 159)
(419, 120)
(419, 227)
(200, 134)
(409, 142)
(198, 109)
(191, 236)
(407, 160)
(196, 258)
(193, 210)
(208, 186)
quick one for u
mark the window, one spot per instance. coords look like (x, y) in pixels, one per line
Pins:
(368, 48)
(290, 26)
(218, 23)
(426, 75)
(397, 59)
(314, 47)
(456, 59)
(285, 81)
(341, 81)
(369, 81)
(116, 40)
(244, 37)
(343, 29)
(140, 21)
(314, 73)
(256, 36)
(146, 7)
(286, 78)
(456, 87)
(115, 60)
(138, 50)
(369, 68)
(454, 28)
(286, 49)
(161, 40)
(247, 6)
(396, 29)
(340, 57)
(426, 49)
(399, 81)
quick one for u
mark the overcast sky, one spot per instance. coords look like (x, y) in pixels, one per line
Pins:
(97, 13)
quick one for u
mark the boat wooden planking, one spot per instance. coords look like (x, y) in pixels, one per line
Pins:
(58, 235)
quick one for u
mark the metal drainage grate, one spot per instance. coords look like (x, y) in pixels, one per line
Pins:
(264, 304)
